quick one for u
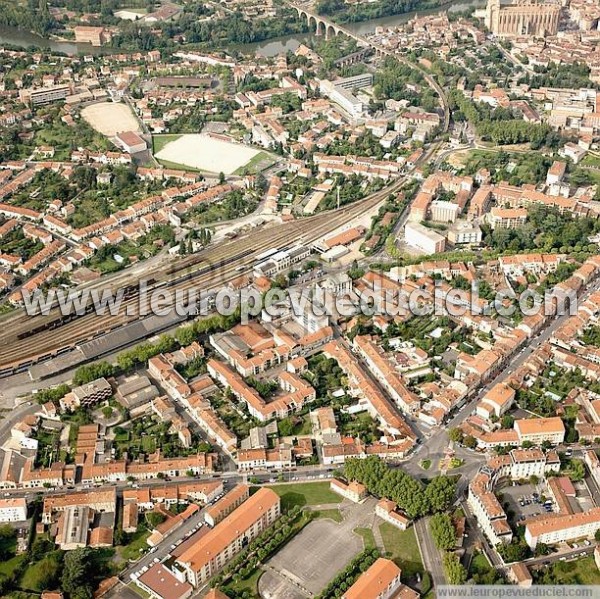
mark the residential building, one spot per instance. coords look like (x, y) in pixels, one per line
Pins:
(556, 528)
(487, 509)
(538, 430)
(380, 581)
(354, 491)
(424, 239)
(212, 552)
(13, 510)
(388, 510)
(222, 508)
(161, 583)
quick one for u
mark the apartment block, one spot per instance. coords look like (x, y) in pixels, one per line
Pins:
(538, 430)
(558, 528)
(222, 508)
(380, 581)
(13, 510)
(212, 552)
(487, 509)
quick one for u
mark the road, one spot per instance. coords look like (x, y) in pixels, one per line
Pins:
(432, 558)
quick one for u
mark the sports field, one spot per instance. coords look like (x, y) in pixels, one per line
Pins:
(206, 153)
(110, 118)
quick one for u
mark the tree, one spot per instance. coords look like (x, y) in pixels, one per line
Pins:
(440, 493)
(442, 531)
(40, 547)
(454, 570)
(154, 519)
(76, 573)
(516, 551)
(7, 535)
(470, 442)
(456, 435)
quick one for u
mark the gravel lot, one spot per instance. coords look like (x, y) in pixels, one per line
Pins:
(110, 118)
(207, 154)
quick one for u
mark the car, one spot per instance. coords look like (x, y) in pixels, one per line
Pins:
(587, 543)
(575, 546)
(535, 495)
(563, 558)
(156, 560)
(153, 549)
(582, 554)
(173, 547)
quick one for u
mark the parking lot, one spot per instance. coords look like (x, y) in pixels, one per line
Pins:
(524, 501)
(311, 559)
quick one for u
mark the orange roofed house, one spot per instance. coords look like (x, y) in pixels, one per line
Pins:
(380, 581)
(354, 491)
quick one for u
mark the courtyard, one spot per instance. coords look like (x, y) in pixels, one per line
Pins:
(312, 559)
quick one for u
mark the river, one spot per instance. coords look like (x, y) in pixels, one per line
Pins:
(277, 46)
(12, 36)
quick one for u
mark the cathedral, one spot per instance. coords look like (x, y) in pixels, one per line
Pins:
(523, 17)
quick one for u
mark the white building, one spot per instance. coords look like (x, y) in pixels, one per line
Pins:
(538, 430)
(559, 528)
(424, 239)
(487, 509)
(13, 510)
(387, 510)
(444, 212)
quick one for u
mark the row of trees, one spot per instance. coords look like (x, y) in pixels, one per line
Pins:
(455, 572)
(442, 531)
(343, 12)
(246, 562)
(412, 496)
(140, 354)
(546, 229)
(347, 577)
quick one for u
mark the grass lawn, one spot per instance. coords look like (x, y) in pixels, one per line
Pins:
(367, 536)
(591, 160)
(160, 141)
(401, 547)
(34, 573)
(331, 514)
(581, 571)
(7, 567)
(305, 494)
(426, 464)
(479, 565)
(249, 584)
(138, 591)
(178, 167)
(257, 163)
(132, 550)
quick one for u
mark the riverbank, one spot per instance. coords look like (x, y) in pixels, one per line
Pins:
(18, 38)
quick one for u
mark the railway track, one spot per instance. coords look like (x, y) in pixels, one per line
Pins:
(25, 340)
